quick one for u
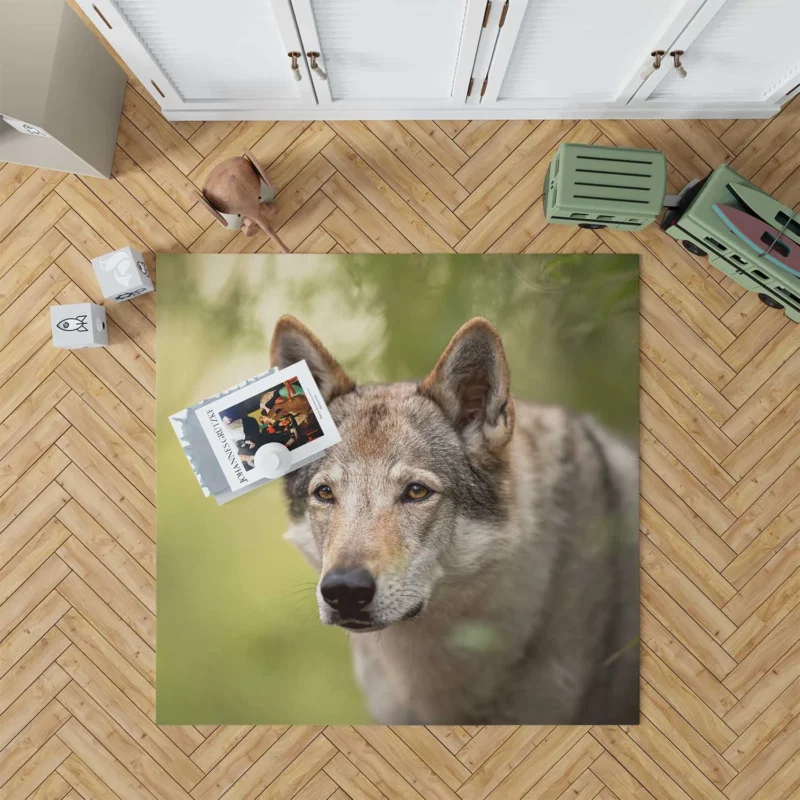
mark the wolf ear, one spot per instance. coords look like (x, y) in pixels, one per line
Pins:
(471, 383)
(292, 342)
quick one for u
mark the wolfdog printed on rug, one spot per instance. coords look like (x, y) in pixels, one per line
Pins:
(483, 551)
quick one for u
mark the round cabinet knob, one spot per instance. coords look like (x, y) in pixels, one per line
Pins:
(657, 55)
(294, 55)
(676, 58)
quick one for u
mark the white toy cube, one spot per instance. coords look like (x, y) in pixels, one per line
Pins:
(78, 325)
(122, 275)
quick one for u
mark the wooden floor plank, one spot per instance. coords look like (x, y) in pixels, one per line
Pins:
(293, 158)
(709, 763)
(373, 756)
(686, 702)
(110, 517)
(209, 135)
(30, 229)
(682, 410)
(681, 294)
(779, 574)
(31, 266)
(31, 629)
(236, 763)
(26, 424)
(375, 226)
(394, 196)
(108, 770)
(503, 762)
(109, 588)
(109, 444)
(31, 666)
(687, 341)
(493, 152)
(35, 700)
(523, 187)
(681, 554)
(509, 172)
(670, 656)
(153, 161)
(102, 472)
(639, 764)
(680, 444)
(105, 548)
(423, 165)
(437, 143)
(31, 738)
(159, 131)
(36, 770)
(766, 509)
(22, 528)
(30, 557)
(476, 133)
(133, 214)
(89, 206)
(90, 605)
(134, 739)
(25, 199)
(703, 141)
(680, 479)
(12, 176)
(153, 198)
(86, 385)
(83, 780)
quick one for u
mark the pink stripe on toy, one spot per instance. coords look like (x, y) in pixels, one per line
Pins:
(764, 239)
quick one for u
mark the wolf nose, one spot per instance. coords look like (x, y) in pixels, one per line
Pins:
(348, 591)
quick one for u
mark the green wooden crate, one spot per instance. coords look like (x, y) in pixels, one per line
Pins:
(701, 231)
(597, 187)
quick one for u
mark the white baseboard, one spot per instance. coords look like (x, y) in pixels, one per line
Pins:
(649, 111)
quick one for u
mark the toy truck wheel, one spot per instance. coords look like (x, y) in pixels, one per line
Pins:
(592, 226)
(769, 301)
(693, 248)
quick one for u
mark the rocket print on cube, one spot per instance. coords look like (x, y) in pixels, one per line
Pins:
(122, 275)
(79, 325)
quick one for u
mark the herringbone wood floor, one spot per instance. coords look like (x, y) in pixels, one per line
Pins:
(720, 445)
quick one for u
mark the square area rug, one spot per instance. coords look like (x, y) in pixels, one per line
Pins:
(465, 552)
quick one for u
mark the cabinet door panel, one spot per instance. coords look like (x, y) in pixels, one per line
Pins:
(232, 54)
(382, 51)
(746, 52)
(580, 51)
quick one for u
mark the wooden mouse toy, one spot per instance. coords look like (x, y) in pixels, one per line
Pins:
(233, 194)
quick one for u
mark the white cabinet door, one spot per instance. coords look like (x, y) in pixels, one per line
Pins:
(209, 54)
(578, 53)
(390, 54)
(748, 51)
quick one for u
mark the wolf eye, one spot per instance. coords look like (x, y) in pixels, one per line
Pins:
(324, 493)
(415, 492)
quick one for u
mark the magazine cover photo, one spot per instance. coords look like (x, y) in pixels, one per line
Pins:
(281, 414)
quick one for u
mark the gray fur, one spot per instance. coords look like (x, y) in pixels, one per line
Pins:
(525, 559)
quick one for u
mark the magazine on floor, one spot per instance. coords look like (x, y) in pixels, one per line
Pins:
(231, 438)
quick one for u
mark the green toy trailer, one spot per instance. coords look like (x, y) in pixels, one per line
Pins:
(695, 224)
(605, 187)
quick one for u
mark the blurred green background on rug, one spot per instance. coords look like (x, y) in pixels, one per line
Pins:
(238, 636)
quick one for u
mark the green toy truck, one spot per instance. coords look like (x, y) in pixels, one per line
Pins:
(702, 232)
